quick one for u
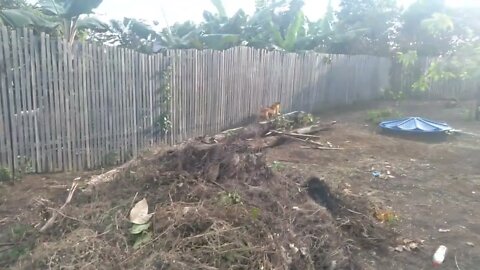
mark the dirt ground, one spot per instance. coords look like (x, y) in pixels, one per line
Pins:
(434, 188)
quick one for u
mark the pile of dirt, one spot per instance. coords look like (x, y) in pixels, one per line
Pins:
(217, 206)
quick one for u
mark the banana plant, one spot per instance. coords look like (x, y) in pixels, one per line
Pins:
(289, 40)
(70, 15)
(26, 17)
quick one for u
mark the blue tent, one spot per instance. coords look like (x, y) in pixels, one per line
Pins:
(415, 125)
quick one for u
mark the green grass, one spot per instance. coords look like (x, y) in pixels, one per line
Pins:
(5, 175)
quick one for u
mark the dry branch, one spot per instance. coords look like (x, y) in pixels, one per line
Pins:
(277, 132)
(323, 148)
(105, 177)
(55, 212)
(314, 128)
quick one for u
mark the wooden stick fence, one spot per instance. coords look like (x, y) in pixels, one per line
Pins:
(82, 106)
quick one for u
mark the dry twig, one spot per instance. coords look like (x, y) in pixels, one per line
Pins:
(55, 213)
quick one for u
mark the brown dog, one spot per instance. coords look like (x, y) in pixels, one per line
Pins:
(270, 112)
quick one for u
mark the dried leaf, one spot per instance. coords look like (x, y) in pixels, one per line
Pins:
(139, 228)
(407, 241)
(385, 216)
(412, 245)
(139, 213)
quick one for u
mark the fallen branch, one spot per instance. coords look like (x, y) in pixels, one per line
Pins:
(277, 132)
(105, 177)
(318, 145)
(324, 148)
(55, 214)
(305, 141)
(314, 128)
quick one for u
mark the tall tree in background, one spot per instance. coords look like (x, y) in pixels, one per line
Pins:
(365, 27)
(413, 34)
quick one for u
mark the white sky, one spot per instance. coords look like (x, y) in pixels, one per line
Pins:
(182, 10)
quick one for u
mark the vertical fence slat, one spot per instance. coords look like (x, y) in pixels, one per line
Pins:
(18, 110)
(109, 96)
(83, 134)
(86, 105)
(77, 148)
(62, 70)
(130, 89)
(57, 89)
(51, 128)
(5, 111)
(122, 104)
(25, 117)
(97, 109)
(102, 105)
(92, 109)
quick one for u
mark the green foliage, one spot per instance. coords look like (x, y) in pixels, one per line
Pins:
(163, 123)
(306, 120)
(141, 234)
(220, 8)
(26, 17)
(49, 15)
(230, 198)
(22, 238)
(139, 228)
(282, 123)
(438, 24)
(377, 116)
(364, 27)
(277, 166)
(288, 42)
(255, 212)
(389, 94)
(407, 59)
(7, 4)
(5, 175)
(24, 166)
(142, 239)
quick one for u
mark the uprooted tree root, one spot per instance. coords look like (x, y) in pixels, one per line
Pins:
(216, 206)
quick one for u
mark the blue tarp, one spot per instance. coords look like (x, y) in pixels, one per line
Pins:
(415, 125)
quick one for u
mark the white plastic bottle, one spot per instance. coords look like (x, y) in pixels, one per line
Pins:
(439, 256)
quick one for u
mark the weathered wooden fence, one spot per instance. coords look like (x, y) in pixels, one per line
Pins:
(81, 106)
(71, 108)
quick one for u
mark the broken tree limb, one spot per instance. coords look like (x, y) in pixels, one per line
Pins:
(317, 145)
(314, 128)
(55, 214)
(322, 148)
(305, 141)
(277, 132)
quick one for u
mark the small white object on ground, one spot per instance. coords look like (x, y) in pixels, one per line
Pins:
(439, 255)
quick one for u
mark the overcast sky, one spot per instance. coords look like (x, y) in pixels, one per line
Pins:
(182, 10)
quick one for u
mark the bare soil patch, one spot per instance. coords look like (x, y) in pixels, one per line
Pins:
(237, 205)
